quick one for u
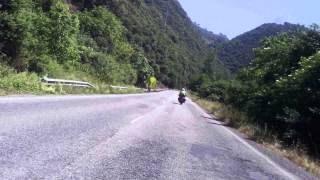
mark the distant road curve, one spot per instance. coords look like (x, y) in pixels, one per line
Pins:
(142, 136)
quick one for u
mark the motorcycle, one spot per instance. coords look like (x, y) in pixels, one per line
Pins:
(182, 99)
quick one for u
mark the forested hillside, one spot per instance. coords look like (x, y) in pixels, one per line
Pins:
(212, 39)
(173, 44)
(109, 41)
(47, 38)
(238, 52)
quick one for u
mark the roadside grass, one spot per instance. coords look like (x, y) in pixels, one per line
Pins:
(13, 83)
(238, 120)
(20, 83)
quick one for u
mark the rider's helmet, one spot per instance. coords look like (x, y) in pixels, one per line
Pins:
(183, 89)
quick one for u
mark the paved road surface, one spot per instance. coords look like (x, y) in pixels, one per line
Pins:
(147, 136)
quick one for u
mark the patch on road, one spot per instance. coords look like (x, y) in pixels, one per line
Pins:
(137, 162)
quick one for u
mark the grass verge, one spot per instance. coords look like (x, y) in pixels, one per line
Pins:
(239, 120)
(12, 83)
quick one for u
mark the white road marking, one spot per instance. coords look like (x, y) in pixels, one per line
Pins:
(271, 162)
(138, 118)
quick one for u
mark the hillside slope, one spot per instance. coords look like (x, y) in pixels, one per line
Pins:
(162, 29)
(212, 39)
(120, 42)
(111, 41)
(238, 52)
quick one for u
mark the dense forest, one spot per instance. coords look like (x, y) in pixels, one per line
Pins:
(111, 41)
(238, 52)
(174, 45)
(279, 90)
(213, 40)
(121, 42)
(47, 38)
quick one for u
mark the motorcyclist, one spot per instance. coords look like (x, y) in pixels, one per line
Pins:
(183, 93)
(182, 96)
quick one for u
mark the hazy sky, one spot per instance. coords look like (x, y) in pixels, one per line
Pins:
(233, 17)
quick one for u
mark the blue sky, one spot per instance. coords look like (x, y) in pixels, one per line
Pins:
(234, 17)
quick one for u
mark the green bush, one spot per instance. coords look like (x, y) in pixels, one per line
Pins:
(284, 87)
(13, 82)
(49, 39)
(280, 89)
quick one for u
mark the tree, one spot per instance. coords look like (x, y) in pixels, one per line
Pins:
(16, 31)
(63, 29)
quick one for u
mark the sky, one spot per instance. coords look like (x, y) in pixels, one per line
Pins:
(234, 17)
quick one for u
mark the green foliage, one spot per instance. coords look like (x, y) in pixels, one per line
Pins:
(281, 71)
(63, 28)
(214, 69)
(29, 32)
(13, 82)
(106, 68)
(106, 30)
(173, 45)
(48, 38)
(105, 49)
(215, 90)
(16, 30)
(114, 41)
(144, 69)
(198, 81)
(213, 40)
(239, 52)
(280, 89)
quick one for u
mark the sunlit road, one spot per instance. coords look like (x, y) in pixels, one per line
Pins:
(146, 136)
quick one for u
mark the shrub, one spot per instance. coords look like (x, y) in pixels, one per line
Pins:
(18, 82)
(280, 89)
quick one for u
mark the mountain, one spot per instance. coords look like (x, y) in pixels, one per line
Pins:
(174, 45)
(212, 39)
(238, 52)
(120, 42)
(113, 41)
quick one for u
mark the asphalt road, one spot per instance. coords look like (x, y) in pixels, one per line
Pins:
(146, 136)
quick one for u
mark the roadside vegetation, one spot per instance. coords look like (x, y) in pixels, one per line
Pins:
(14, 83)
(104, 42)
(47, 38)
(239, 120)
(276, 99)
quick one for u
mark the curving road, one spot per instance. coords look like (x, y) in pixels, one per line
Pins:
(146, 136)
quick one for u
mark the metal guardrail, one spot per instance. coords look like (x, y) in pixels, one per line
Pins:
(63, 82)
(50, 81)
